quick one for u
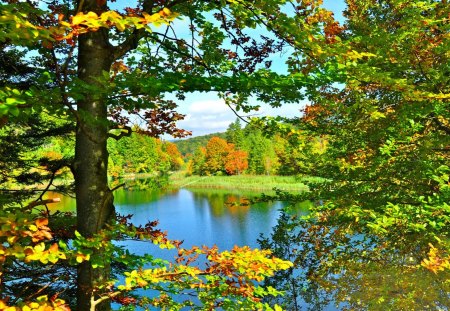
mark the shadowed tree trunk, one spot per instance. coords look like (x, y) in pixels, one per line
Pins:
(94, 198)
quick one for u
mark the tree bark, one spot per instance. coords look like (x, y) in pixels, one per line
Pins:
(93, 197)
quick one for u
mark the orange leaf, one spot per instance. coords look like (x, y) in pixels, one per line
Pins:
(41, 222)
(53, 248)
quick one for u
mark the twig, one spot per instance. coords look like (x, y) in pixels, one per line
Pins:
(117, 187)
(43, 202)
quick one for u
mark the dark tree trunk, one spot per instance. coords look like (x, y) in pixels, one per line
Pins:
(93, 196)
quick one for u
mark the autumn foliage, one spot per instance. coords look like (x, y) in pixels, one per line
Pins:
(219, 156)
(175, 157)
(236, 162)
(376, 133)
(29, 240)
(216, 151)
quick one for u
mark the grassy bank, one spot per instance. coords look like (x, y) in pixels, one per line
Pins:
(244, 182)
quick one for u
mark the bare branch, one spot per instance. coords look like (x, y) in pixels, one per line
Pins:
(117, 187)
(132, 41)
(237, 115)
(43, 202)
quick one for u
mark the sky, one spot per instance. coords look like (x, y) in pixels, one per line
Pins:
(206, 113)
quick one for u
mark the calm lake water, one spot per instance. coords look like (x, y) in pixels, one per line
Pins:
(199, 217)
(196, 216)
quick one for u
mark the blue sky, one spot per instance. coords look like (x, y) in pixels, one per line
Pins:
(337, 6)
(206, 113)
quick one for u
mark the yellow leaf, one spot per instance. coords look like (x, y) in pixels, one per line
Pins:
(3, 306)
(120, 26)
(53, 259)
(12, 239)
(277, 308)
(139, 26)
(150, 18)
(377, 115)
(32, 228)
(110, 16)
(65, 24)
(77, 19)
(81, 257)
(82, 18)
(91, 15)
(40, 247)
(44, 260)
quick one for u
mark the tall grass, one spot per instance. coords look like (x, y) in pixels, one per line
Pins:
(247, 182)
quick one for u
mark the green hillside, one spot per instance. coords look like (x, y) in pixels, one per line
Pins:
(189, 145)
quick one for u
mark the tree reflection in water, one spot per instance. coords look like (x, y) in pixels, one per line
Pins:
(340, 265)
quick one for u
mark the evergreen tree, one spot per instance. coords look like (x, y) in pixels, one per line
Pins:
(235, 135)
(198, 161)
(262, 159)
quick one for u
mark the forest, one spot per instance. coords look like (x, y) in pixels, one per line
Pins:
(249, 150)
(88, 90)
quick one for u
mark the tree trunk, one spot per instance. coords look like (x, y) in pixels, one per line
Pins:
(93, 196)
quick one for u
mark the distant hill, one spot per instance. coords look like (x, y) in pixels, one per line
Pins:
(188, 146)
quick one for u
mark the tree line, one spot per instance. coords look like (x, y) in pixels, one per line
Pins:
(143, 154)
(37, 154)
(249, 150)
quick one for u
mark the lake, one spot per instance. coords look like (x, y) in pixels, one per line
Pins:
(197, 216)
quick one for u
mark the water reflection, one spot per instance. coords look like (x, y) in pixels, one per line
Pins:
(336, 270)
(333, 270)
(199, 217)
(66, 203)
(207, 217)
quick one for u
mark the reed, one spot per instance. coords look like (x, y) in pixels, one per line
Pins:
(247, 182)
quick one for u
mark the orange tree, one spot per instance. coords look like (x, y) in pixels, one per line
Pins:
(236, 162)
(216, 150)
(98, 67)
(176, 159)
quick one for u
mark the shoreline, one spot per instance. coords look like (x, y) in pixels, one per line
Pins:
(178, 180)
(241, 182)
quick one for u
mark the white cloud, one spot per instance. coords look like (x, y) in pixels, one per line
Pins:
(206, 113)
(207, 116)
(287, 110)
